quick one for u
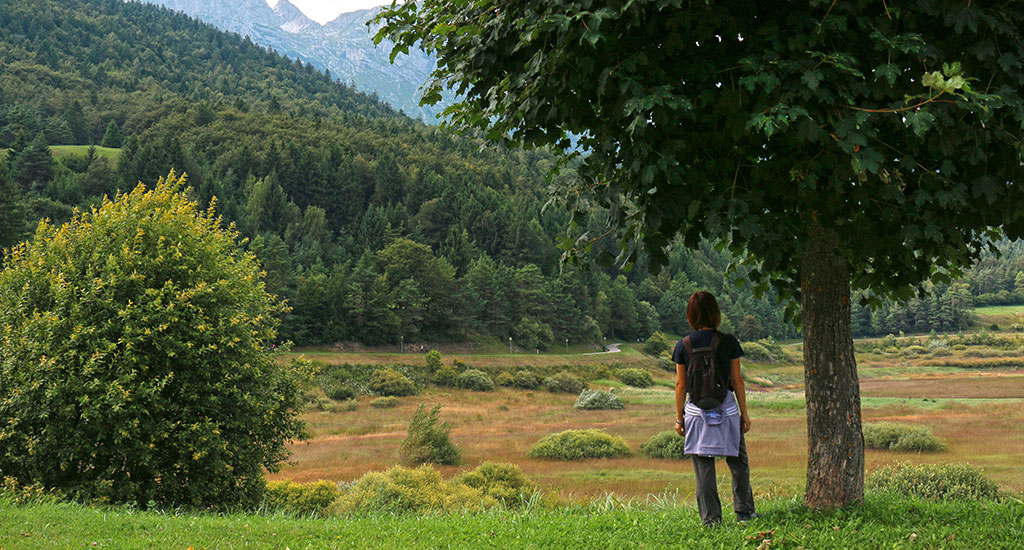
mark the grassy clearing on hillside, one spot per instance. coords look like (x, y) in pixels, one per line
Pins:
(60, 151)
(881, 522)
(998, 310)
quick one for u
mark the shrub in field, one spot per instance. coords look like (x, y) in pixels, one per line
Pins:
(656, 344)
(502, 482)
(915, 350)
(401, 489)
(305, 499)
(757, 353)
(391, 382)
(428, 441)
(136, 358)
(13, 493)
(933, 482)
(339, 392)
(564, 382)
(580, 444)
(597, 399)
(445, 376)
(386, 402)
(474, 379)
(638, 378)
(901, 437)
(433, 359)
(527, 379)
(505, 379)
(667, 444)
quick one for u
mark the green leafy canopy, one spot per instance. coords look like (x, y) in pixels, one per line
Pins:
(898, 128)
(136, 358)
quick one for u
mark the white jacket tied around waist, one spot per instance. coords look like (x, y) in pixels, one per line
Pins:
(713, 432)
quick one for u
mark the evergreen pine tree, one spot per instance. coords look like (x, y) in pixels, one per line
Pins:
(12, 214)
(112, 138)
(32, 167)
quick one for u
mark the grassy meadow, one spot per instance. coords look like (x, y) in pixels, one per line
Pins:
(976, 410)
(881, 522)
(61, 151)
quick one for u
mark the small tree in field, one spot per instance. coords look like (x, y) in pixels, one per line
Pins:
(136, 358)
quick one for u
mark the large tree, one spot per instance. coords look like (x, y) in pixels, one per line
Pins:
(840, 143)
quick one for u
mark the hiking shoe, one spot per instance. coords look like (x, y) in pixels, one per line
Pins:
(747, 517)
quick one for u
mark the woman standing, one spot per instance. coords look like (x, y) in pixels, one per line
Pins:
(717, 431)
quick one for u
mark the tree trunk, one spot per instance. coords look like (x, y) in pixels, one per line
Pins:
(835, 444)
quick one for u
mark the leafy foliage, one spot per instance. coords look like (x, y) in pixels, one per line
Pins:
(933, 482)
(526, 379)
(433, 359)
(136, 358)
(399, 489)
(474, 379)
(564, 382)
(302, 499)
(598, 399)
(901, 437)
(580, 444)
(389, 382)
(638, 378)
(505, 379)
(428, 441)
(667, 444)
(502, 482)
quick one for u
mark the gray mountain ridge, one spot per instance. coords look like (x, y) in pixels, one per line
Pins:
(343, 46)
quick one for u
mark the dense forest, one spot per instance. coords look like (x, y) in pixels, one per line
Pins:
(375, 227)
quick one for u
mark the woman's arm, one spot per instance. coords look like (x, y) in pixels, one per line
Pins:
(680, 397)
(740, 391)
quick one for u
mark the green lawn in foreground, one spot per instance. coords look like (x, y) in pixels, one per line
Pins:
(882, 522)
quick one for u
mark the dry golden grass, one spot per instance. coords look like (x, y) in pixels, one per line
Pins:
(627, 357)
(503, 425)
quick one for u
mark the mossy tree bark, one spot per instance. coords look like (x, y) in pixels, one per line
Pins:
(835, 457)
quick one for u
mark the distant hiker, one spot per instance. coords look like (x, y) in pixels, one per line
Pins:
(711, 408)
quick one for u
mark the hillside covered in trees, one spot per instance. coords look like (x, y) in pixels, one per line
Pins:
(372, 225)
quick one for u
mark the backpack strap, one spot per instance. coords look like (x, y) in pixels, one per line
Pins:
(688, 346)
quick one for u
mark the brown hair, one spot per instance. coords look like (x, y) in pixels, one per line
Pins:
(702, 311)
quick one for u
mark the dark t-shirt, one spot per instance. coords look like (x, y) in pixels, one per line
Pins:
(728, 349)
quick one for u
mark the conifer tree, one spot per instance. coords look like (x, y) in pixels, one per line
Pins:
(112, 138)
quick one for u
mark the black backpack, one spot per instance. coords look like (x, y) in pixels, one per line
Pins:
(706, 380)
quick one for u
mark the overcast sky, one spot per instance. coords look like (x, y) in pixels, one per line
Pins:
(324, 11)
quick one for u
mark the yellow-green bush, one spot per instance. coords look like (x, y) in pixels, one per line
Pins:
(388, 381)
(505, 379)
(399, 489)
(445, 376)
(526, 379)
(580, 444)
(136, 357)
(933, 482)
(894, 436)
(667, 444)
(305, 499)
(503, 482)
(638, 378)
(474, 379)
(565, 382)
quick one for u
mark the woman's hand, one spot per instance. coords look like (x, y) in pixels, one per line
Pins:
(744, 423)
